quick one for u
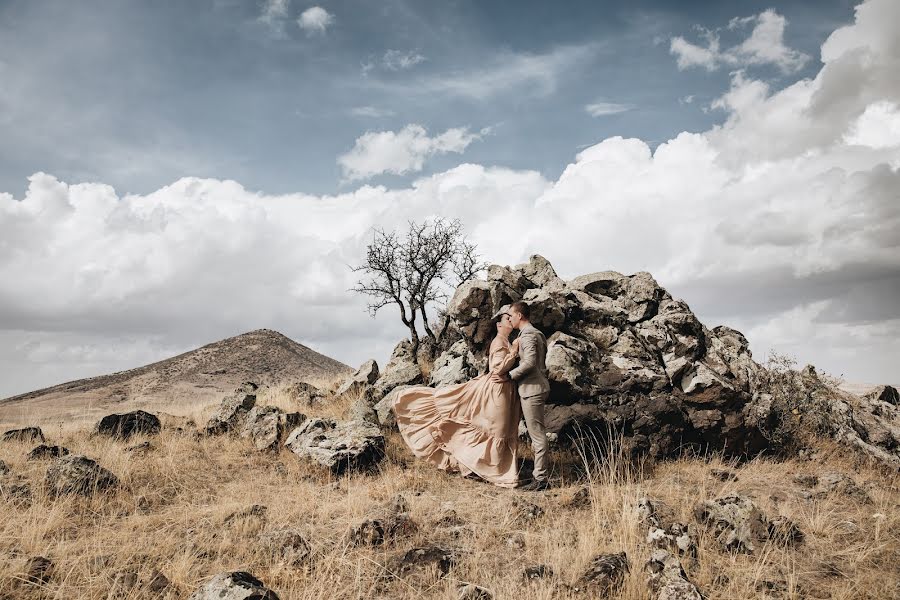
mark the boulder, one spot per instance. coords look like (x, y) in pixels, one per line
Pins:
(236, 585)
(384, 409)
(740, 525)
(338, 445)
(76, 474)
(233, 409)
(362, 410)
(455, 365)
(267, 426)
(45, 451)
(126, 425)
(361, 380)
(884, 393)
(25, 434)
(401, 369)
(667, 579)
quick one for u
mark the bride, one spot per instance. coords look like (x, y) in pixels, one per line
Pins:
(470, 427)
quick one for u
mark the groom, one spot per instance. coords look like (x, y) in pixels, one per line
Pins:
(534, 389)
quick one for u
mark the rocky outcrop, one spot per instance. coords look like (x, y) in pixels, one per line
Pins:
(233, 409)
(126, 425)
(236, 585)
(338, 445)
(25, 434)
(267, 426)
(76, 474)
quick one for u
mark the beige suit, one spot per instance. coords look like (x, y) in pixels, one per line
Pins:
(534, 388)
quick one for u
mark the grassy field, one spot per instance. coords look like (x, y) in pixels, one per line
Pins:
(182, 510)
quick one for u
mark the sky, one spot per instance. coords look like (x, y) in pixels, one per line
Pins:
(173, 173)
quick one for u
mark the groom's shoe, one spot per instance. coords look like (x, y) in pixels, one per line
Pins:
(536, 485)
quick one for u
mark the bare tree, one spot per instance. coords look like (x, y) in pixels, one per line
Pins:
(417, 270)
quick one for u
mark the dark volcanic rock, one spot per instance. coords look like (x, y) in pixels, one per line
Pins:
(76, 474)
(233, 409)
(38, 570)
(45, 451)
(268, 426)
(126, 425)
(605, 574)
(25, 434)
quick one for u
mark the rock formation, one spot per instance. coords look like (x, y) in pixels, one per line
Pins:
(76, 474)
(338, 445)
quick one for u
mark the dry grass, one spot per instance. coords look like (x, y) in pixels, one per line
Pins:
(170, 514)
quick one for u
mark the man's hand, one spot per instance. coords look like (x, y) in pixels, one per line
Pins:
(498, 378)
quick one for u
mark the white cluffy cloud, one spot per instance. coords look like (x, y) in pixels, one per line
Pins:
(765, 46)
(315, 20)
(783, 222)
(394, 60)
(401, 152)
(371, 111)
(600, 109)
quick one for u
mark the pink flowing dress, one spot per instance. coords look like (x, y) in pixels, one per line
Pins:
(471, 427)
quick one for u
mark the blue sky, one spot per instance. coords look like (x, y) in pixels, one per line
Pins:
(172, 173)
(138, 94)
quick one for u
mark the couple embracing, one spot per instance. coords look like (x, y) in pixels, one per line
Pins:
(472, 427)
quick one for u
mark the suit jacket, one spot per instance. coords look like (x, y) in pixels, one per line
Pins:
(531, 374)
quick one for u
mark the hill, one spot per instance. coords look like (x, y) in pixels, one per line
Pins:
(195, 378)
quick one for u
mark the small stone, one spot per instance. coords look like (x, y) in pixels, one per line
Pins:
(254, 511)
(38, 570)
(537, 572)
(286, 546)
(45, 451)
(139, 448)
(605, 574)
(516, 541)
(470, 591)
(723, 474)
(416, 558)
(158, 583)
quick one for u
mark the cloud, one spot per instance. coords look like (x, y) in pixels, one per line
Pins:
(394, 60)
(402, 152)
(764, 46)
(274, 13)
(371, 111)
(533, 74)
(315, 20)
(599, 109)
(782, 221)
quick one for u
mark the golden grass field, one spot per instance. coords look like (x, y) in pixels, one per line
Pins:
(171, 514)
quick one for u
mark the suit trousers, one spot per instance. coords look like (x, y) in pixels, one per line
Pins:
(533, 411)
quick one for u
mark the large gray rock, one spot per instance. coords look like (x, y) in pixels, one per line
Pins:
(124, 426)
(338, 445)
(740, 525)
(268, 426)
(667, 580)
(361, 380)
(401, 369)
(455, 365)
(236, 585)
(76, 474)
(233, 409)
(384, 409)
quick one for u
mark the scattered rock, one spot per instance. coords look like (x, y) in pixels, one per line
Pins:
(537, 572)
(723, 474)
(17, 492)
(677, 538)
(233, 409)
(884, 393)
(45, 451)
(738, 523)
(236, 585)
(267, 426)
(516, 541)
(389, 524)
(141, 448)
(784, 531)
(384, 408)
(123, 582)
(76, 474)
(361, 381)
(526, 510)
(417, 559)
(158, 584)
(470, 591)
(25, 434)
(605, 574)
(667, 580)
(129, 424)
(286, 546)
(254, 511)
(654, 513)
(4, 468)
(581, 498)
(338, 445)
(38, 570)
